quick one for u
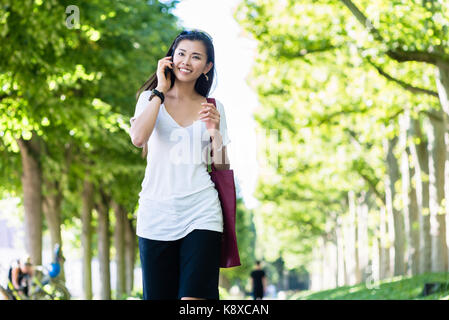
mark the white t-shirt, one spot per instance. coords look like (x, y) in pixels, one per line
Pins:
(177, 193)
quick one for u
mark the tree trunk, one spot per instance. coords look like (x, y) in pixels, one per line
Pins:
(390, 193)
(442, 80)
(226, 284)
(334, 248)
(86, 237)
(331, 260)
(355, 225)
(341, 270)
(421, 160)
(52, 211)
(391, 237)
(350, 240)
(437, 158)
(30, 151)
(384, 245)
(362, 237)
(374, 270)
(285, 280)
(410, 204)
(279, 266)
(102, 208)
(315, 281)
(323, 269)
(119, 242)
(413, 221)
(130, 254)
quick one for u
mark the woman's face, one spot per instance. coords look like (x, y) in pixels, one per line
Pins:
(190, 60)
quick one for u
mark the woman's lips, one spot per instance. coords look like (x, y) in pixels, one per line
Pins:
(184, 71)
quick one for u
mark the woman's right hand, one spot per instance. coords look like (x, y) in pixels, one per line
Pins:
(163, 83)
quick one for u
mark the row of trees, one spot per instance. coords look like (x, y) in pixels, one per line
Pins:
(359, 94)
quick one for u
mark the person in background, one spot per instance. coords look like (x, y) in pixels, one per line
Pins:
(54, 269)
(258, 282)
(19, 276)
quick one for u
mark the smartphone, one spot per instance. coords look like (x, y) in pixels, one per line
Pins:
(169, 70)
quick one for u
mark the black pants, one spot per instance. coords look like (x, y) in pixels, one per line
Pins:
(187, 267)
(258, 294)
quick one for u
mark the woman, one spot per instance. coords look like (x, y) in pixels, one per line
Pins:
(180, 222)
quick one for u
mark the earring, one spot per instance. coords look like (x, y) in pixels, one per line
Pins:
(207, 78)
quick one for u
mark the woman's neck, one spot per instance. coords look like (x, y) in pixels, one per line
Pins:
(182, 91)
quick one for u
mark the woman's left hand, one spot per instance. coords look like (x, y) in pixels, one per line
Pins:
(210, 115)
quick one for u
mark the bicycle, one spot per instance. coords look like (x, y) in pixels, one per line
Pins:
(5, 294)
(44, 284)
(46, 287)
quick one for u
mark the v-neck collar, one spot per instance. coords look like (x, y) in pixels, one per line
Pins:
(176, 123)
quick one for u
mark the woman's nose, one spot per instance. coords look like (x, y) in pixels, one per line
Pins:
(186, 61)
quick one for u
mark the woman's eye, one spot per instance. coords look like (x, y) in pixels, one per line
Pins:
(181, 54)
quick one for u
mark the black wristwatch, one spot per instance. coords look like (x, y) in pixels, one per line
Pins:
(155, 92)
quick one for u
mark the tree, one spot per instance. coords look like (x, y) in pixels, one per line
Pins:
(334, 82)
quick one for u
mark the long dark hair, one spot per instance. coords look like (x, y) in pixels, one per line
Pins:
(202, 85)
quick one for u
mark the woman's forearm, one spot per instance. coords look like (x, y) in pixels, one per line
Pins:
(143, 125)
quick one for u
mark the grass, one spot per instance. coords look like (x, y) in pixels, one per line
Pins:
(397, 288)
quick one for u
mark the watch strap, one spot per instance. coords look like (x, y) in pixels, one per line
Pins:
(155, 92)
